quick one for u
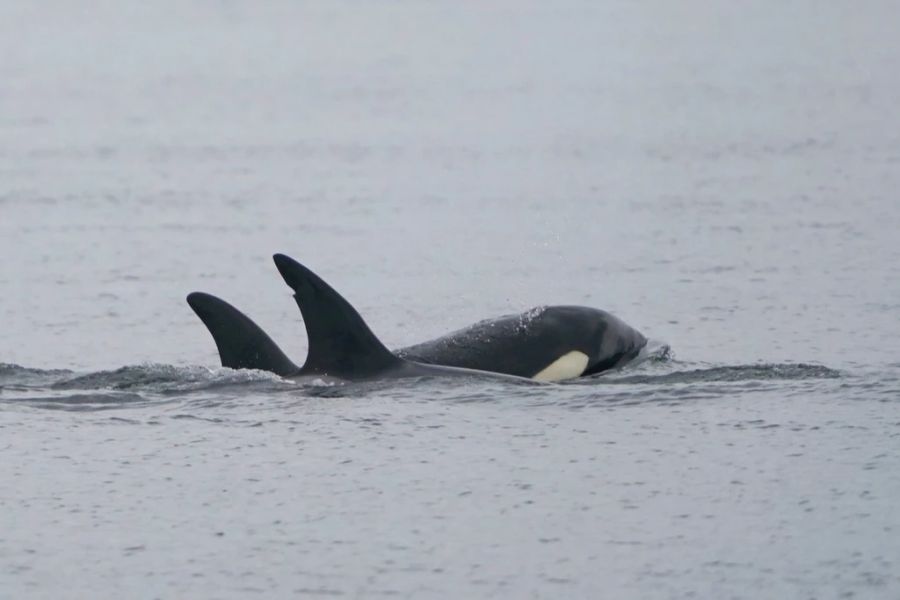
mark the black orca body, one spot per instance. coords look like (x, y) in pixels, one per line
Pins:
(548, 343)
(545, 344)
(341, 345)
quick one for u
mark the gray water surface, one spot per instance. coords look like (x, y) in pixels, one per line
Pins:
(722, 177)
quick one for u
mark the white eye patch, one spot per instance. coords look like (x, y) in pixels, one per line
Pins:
(567, 366)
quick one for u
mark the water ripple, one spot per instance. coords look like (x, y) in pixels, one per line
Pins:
(664, 382)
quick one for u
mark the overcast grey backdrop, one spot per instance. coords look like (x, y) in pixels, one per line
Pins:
(721, 175)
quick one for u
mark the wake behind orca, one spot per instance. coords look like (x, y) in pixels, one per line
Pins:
(545, 344)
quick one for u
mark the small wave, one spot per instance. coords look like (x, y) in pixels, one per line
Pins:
(680, 386)
(128, 386)
(165, 379)
(656, 351)
(7, 369)
(12, 374)
(731, 373)
(85, 402)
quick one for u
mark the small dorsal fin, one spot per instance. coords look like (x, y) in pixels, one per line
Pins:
(241, 342)
(340, 342)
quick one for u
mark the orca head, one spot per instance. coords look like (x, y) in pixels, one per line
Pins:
(610, 341)
(585, 341)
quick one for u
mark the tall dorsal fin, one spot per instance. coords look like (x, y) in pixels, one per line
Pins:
(241, 342)
(340, 342)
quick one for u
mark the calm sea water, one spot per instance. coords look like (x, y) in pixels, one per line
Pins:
(725, 178)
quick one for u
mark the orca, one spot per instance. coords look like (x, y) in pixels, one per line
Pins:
(547, 343)
(341, 345)
(551, 343)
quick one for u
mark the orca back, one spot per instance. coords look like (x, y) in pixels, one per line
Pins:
(340, 343)
(527, 344)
